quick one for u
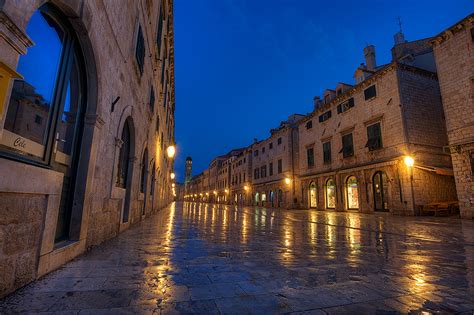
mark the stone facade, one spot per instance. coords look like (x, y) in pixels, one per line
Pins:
(275, 166)
(454, 53)
(125, 56)
(241, 176)
(349, 152)
(368, 129)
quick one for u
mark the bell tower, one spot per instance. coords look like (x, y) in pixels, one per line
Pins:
(188, 171)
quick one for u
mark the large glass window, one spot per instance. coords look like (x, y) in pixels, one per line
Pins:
(330, 194)
(312, 195)
(352, 193)
(35, 98)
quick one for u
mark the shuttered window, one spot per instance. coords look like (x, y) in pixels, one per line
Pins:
(347, 145)
(327, 152)
(310, 157)
(374, 137)
(370, 92)
(348, 104)
(140, 50)
(325, 116)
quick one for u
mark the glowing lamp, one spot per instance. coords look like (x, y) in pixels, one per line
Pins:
(171, 151)
(172, 175)
(287, 181)
(409, 161)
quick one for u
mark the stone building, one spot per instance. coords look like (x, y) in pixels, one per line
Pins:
(354, 145)
(85, 122)
(275, 166)
(454, 53)
(241, 177)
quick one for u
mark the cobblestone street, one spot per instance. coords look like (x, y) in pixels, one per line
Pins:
(218, 259)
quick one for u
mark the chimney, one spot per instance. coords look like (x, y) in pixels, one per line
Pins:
(399, 38)
(316, 102)
(369, 54)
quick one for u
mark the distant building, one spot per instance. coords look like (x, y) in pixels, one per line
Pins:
(275, 166)
(454, 52)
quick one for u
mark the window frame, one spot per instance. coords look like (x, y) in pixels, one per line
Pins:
(140, 50)
(368, 92)
(327, 158)
(378, 140)
(71, 49)
(310, 158)
(345, 152)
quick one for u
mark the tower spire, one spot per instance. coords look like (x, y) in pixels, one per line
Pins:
(399, 38)
(399, 24)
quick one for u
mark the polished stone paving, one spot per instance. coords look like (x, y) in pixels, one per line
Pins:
(217, 259)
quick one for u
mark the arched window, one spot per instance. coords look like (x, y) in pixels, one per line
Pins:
(144, 172)
(312, 195)
(257, 199)
(330, 194)
(124, 156)
(380, 187)
(352, 193)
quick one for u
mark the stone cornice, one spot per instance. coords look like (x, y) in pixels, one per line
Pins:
(13, 35)
(451, 31)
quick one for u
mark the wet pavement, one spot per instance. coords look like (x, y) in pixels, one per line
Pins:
(217, 259)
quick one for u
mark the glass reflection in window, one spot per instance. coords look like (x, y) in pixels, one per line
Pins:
(30, 106)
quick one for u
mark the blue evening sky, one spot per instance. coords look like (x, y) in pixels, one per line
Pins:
(242, 66)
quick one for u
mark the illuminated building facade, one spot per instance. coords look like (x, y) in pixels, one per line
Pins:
(86, 121)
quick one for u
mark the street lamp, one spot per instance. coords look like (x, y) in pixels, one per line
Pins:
(246, 188)
(409, 161)
(226, 191)
(172, 175)
(171, 151)
(287, 180)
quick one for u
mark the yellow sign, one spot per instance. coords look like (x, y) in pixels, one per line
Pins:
(6, 73)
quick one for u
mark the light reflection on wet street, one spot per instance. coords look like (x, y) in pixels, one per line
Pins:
(210, 259)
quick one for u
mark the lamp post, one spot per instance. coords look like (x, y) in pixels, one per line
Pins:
(410, 162)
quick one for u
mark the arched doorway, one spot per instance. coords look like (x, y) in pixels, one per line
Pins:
(313, 203)
(352, 193)
(279, 198)
(272, 197)
(330, 194)
(380, 187)
(125, 167)
(144, 179)
(257, 198)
